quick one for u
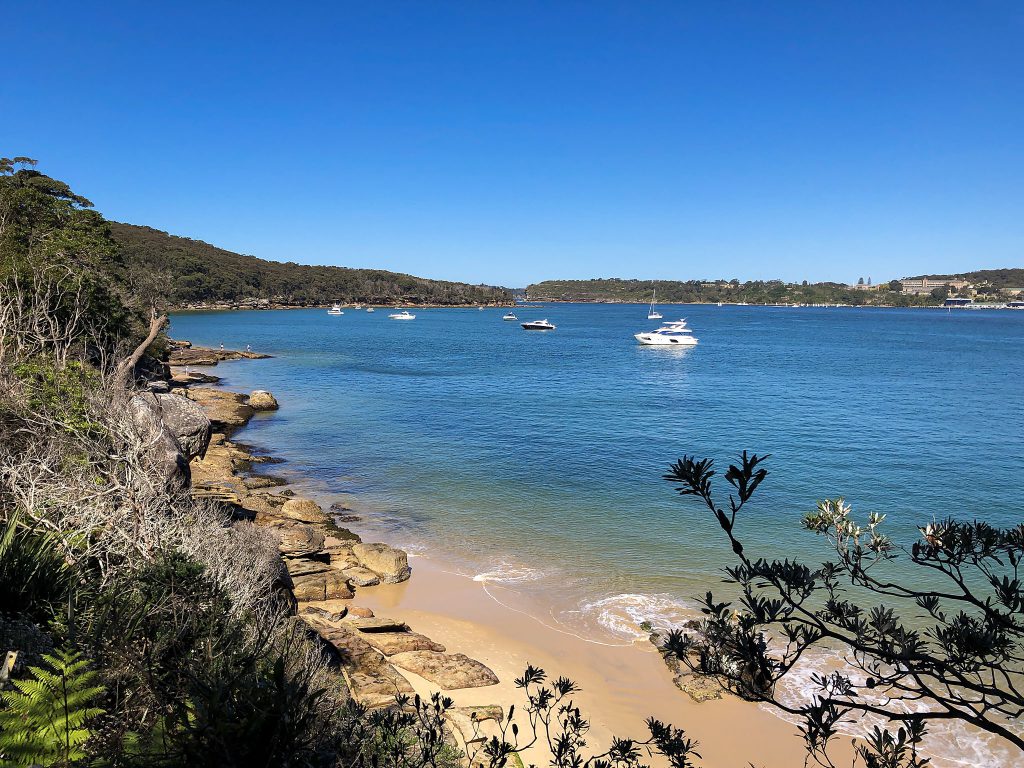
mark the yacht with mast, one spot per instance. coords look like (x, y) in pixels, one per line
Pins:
(652, 313)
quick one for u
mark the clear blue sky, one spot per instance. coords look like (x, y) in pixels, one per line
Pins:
(518, 141)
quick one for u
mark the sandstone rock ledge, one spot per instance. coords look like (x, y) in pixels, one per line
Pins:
(323, 566)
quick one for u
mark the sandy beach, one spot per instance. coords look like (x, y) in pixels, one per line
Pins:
(621, 685)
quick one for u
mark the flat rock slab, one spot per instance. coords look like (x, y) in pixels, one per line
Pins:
(371, 679)
(390, 643)
(377, 624)
(224, 409)
(361, 577)
(449, 671)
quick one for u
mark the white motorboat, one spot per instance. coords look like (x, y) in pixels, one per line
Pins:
(403, 315)
(510, 316)
(673, 333)
(335, 310)
(369, 309)
(538, 325)
(652, 314)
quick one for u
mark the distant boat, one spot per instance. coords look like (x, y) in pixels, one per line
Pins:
(652, 314)
(539, 325)
(510, 316)
(674, 333)
(335, 310)
(369, 309)
(403, 315)
(358, 306)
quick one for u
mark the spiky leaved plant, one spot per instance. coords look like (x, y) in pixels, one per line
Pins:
(45, 718)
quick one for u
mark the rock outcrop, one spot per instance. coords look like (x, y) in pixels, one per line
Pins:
(303, 510)
(178, 430)
(261, 400)
(390, 643)
(449, 671)
(391, 564)
(226, 410)
(202, 356)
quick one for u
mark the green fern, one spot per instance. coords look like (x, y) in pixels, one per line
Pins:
(45, 719)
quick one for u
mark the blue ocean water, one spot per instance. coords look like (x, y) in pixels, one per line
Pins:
(536, 458)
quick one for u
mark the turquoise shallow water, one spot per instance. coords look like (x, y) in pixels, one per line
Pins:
(536, 458)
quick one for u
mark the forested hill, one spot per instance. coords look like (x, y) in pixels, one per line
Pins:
(197, 273)
(995, 278)
(729, 291)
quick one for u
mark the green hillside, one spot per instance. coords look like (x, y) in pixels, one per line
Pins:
(194, 272)
(994, 278)
(712, 291)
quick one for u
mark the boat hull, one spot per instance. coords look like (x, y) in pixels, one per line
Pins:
(654, 340)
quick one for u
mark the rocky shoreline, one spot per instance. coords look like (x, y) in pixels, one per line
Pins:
(324, 567)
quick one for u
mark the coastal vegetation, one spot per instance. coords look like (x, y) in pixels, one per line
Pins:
(615, 290)
(194, 273)
(928, 633)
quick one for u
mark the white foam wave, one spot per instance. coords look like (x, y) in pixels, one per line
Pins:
(509, 573)
(623, 614)
(949, 744)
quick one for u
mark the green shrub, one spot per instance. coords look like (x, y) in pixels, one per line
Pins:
(61, 392)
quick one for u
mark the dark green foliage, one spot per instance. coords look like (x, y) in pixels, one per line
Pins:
(196, 272)
(58, 259)
(61, 392)
(34, 579)
(947, 635)
(46, 717)
(696, 291)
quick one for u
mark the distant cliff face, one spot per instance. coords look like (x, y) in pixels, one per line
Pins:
(195, 272)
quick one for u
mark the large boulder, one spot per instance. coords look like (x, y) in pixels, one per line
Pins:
(187, 422)
(392, 565)
(261, 400)
(169, 461)
(298, 539)
(449, 671)
(303, 510)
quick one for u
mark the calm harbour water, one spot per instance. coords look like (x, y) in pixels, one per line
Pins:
(534, 460)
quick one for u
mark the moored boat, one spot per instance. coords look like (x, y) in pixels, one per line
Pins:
(335, 310)
(652, 313)
(673, 333)
(403, 315)
(539, 325)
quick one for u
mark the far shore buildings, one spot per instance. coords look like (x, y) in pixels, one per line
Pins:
(927, 285)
